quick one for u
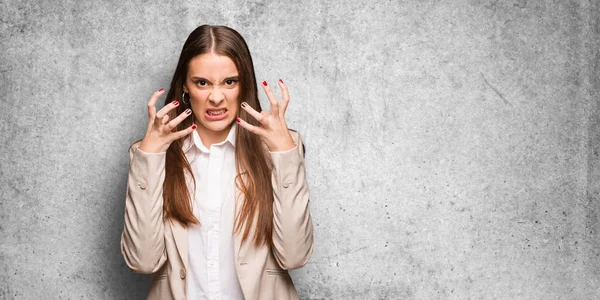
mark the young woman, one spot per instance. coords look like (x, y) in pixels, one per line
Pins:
(217, 203)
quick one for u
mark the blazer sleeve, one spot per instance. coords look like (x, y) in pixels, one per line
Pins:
(292, 223)
(142, 240)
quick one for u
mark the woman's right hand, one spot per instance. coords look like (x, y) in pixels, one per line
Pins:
(159, 135)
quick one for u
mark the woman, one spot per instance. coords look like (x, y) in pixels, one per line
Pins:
(217, 203)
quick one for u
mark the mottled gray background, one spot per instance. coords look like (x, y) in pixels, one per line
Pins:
(452, 146)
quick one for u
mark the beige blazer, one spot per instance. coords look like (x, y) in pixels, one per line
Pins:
(151, 245)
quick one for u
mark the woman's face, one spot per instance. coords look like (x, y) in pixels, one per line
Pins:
(213, 86)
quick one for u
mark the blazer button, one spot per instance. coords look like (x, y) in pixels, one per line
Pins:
(286, 184)
(142, 185)
(182, 273)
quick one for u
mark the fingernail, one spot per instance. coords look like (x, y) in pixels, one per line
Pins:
(194, 126)
(188, 111)
(244, 104)
(175, 102)
(264, 83)
(280, 80)
(161, 90)
(237, 120)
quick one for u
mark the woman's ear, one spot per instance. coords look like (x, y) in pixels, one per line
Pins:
(185, 89)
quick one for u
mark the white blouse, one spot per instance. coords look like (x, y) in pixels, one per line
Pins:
(211, 270)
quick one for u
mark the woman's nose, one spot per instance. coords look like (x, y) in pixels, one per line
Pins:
(216, 96)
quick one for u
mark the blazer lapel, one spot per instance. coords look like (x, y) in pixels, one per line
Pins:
(180, 237)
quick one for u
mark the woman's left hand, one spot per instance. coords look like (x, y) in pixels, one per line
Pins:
(274, 131)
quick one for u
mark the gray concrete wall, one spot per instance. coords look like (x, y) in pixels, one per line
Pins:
(452, 146)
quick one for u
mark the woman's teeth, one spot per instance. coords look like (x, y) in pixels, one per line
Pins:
(216, 112)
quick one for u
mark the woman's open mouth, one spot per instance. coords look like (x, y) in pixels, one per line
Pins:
(215, 114)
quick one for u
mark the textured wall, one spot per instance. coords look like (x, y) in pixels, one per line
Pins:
(452, 147)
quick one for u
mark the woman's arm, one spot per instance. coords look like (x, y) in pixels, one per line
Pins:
(292, 230)
(142, 240)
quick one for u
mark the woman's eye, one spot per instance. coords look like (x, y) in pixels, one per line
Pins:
(230, 82)
(201, 83)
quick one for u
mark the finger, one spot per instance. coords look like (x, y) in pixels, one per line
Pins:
(181, 133)
(173, 124)
(152, 103)
(272, 99)
(158, 120)
(251, 111)
(285, 98)
(165, 119)
(254, 129)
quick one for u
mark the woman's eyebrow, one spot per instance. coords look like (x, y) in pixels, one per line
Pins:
(200, 78)
(234, 77)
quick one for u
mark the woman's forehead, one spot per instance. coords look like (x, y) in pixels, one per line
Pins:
(212, 66)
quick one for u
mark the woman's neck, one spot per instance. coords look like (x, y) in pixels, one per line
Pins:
(209, 137)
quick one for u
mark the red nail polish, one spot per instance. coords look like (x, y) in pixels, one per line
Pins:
(194, 126)
(175, 102)
(280, 80)
(264, 83)
(237, 120)
(161, 90)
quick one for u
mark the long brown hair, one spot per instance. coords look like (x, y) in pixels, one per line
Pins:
(253, 169)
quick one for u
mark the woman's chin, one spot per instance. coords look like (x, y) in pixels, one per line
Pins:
(218, 126)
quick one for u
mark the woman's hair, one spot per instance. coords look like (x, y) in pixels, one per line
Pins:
(250, 156)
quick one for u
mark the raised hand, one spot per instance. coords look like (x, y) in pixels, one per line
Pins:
(273, 130)
(159, 135)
